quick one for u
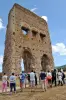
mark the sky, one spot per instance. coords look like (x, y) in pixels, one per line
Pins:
(53, 11)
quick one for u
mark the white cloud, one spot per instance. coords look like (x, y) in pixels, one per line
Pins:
(59, 48)
(34, 9)
(45, 18)
(1, 24)
(1, 59)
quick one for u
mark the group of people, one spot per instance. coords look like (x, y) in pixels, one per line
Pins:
(24, 78)
(9, 83)
(46, 79)
(50, 78)
(28, 78)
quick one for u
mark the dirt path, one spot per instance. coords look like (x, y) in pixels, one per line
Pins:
(57, 93)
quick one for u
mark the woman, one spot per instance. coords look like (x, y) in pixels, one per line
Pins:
(4, 83)
(49, 78)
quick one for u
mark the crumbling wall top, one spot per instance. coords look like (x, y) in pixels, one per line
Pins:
(28, 11)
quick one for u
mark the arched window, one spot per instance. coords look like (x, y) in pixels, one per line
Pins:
(24, 30)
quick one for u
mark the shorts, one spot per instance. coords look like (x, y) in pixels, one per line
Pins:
(32, 82)
(22, 83)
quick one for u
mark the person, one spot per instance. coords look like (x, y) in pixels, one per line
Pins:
(4, 83)
(32, 79)
(29, 77)
(12, 80)
(20, 79)
(63, 76)
(23, 77)
(43, 80)
(26, 80)
(54, 77)
(49, 78)
(60, 75)
(35, 79)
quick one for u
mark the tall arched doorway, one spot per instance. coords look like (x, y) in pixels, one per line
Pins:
(45, 63)
(28, 61)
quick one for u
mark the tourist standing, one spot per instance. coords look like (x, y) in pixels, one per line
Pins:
(4, 83)
(20, 79)
(35, 79)
(28, 77)
(63, 76)
(12, 80)
(32, 79)
(43, 80)
(54, 77)
(60, 75)
(49, 78)
(23, 77)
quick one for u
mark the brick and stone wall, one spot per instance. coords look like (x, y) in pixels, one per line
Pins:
(33, 47)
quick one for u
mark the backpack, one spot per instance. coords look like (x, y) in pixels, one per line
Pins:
(23, 76)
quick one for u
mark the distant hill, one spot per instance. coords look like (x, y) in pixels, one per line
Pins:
(61, 67)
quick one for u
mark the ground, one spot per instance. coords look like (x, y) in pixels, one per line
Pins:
(55, 93)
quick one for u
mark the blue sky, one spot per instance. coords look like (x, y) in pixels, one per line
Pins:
(51, 10)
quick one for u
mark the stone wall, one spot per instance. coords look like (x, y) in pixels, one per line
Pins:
(32, 47)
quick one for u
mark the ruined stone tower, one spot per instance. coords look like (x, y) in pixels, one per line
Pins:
(27, 38)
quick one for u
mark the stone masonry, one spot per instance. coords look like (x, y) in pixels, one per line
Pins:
(27, 38)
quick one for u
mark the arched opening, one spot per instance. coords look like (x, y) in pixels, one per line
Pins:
(34, 33)
(22, 64)
(24, 30)
(45, 62)
(27, 61)
(42, 36)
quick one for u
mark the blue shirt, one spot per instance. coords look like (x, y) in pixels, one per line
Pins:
(23, 77)
(12, 79)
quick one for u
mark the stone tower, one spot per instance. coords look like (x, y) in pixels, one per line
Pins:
(27, 38)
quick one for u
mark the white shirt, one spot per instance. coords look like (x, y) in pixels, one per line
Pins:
(32, 76)
(49, 74)
(4, 79)
(20, 76)
(60, 76)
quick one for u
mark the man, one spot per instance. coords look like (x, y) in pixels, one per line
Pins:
(12, 83)
(23, 77)
(20, 79)
(35, 79)
(54, 77)
(32, 79)
(60, 75)
(43, 80)
(63, 76)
